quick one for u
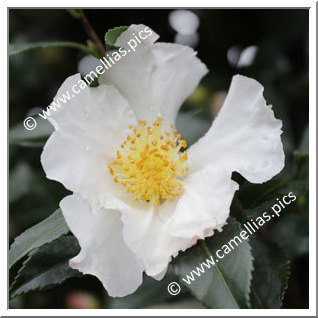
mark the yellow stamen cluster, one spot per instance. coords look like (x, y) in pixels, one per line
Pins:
(150, 163)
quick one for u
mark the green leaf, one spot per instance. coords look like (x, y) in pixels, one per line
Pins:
(112, 35)
(44, 232)
(270, 276)
(47, 266)
(252, 195)
(21, 177)
(291, 233)
(20, 136)
(299, 188)
(19, 48)
(227, 283)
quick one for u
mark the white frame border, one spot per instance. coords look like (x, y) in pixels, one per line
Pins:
(312, 163)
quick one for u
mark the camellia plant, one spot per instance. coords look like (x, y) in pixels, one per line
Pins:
(143, 201)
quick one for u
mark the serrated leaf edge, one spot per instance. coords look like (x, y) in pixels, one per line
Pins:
(26, 261)
(113, 29)
(29, 229)
(248, 292)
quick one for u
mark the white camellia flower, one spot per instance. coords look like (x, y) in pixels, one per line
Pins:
(138, 198)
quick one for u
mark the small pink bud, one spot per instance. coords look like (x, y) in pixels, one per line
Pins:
(82, 300)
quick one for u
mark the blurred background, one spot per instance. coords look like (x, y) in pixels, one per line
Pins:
(268, 45)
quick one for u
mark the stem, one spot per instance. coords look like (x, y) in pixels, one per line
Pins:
(92, 34)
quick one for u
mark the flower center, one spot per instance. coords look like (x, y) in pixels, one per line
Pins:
(150, 163)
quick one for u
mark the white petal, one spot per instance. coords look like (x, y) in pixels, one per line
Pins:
(89, 130)
(245, 136)
(145, 233)
(161, 275)
(157, 78)
(103, 254)
(204, 205)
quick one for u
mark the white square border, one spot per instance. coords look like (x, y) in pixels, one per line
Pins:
(312, 162)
